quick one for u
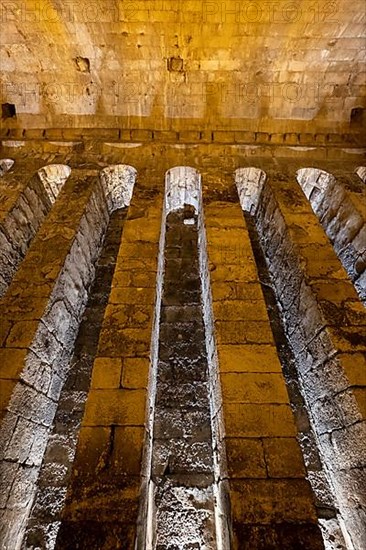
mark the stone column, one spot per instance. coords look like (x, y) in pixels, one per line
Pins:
(39, 319)
(25, 202)
(340, 204)
(361, 172)
(54, 477)
(262, 469)
(104, 497)
(326, 324)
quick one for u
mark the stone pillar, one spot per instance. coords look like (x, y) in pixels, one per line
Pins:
(340, 204)
(262, 468)
(55, 474)
(361, 172)
(326, 326)
(25, 202)
(39, 318)
(5, 165)
(104, 496)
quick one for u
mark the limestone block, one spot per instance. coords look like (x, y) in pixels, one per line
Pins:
(107, 373)
(283, 458)
(248, 358)
(258, 420)
(245, 458)
(119, 407)
(253, 388)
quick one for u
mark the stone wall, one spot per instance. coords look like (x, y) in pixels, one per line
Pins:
(40, 316)
(55, 473)
(25, 203)
(102, 505)
(261, 495)
(325, 324)
(165, 65)
(340, 205)
(252, 414)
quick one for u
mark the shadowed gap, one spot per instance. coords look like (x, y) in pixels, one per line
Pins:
(182, 468)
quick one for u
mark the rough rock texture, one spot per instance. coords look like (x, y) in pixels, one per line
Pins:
(341, 209)
(257, 455)
(25, 203)
(325, 324)
(324, 498)
(182, 469)
(102, 506)
(39, 326)
(39, 320)
(57, 464)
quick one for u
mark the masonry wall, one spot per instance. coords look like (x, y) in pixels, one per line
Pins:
(258, 471)
(325, 324)
(44, 522)
(25, 203)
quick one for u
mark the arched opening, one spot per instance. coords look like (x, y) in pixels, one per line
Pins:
(315, 183)
(118, 183)
(182, 188)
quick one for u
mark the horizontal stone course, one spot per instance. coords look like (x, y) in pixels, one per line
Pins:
(185, 136)
(253, 388)
(262, 502)
(115, 407)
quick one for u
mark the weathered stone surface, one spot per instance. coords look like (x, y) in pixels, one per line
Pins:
(319, 327)
(39, 379)
(338, 306)
(257, 426)
(26, 208)
(340, 209)
(104, 481)
(182, 466)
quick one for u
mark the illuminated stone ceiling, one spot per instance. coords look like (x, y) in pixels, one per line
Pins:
(246, 64)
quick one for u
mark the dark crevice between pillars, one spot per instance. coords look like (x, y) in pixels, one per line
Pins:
(182, 456)
(324, 499)
(45, 520)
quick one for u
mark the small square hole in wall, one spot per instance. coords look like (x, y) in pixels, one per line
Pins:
(175, 64)
(358, 116)
(82, 64)
(8, 110)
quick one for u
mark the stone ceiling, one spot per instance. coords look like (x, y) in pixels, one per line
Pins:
(262, 65)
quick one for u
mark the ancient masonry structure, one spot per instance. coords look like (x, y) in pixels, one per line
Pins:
(183, 338)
